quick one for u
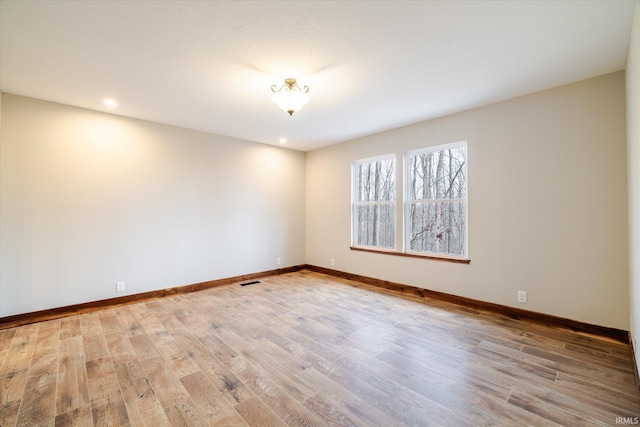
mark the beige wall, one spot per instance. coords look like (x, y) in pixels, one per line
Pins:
(633, 141)
(88, 199)
(547, 203)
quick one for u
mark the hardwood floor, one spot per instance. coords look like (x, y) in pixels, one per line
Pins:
(305, 349)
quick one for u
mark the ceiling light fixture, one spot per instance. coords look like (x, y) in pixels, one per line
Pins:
(110, 103)
(290, 97)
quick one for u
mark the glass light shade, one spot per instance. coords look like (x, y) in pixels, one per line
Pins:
(290, 100)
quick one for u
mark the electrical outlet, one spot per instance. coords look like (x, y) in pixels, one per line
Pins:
(119, 286)
(277, 261)
(522, 297)
(333, 262)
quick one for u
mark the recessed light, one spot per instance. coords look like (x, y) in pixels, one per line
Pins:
(283, 141)
(110, 103)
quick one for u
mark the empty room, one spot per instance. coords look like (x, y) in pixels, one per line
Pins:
(319, 213)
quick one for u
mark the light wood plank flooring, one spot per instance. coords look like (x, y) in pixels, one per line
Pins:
(304, 349)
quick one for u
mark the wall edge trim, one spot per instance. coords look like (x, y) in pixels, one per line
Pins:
(511, 312)
(91, 306)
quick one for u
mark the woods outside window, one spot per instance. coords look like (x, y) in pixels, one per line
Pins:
(374, 202)
(434, 209)
(436, 200)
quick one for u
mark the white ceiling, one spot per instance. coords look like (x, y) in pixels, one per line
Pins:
(370, 65)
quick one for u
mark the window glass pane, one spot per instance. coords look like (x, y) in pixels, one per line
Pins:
(437, 227)
(376, 225)
(437, 174)
(376, 181)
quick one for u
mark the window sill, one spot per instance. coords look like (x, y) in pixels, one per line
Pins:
(411, 255)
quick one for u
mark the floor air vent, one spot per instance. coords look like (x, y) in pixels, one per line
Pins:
(249, 283)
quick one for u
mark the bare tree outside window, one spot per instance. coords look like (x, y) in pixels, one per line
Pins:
(374, 202)
(436, 208)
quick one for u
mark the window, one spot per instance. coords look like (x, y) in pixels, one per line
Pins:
(374, 202)
(436, 200)
(434, 209)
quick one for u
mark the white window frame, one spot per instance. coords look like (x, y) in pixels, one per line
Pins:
(407, 201)
(355, 203)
